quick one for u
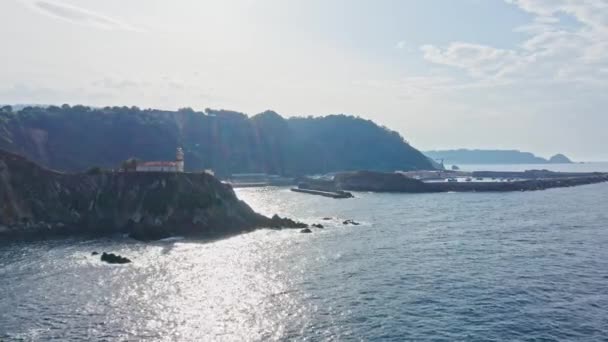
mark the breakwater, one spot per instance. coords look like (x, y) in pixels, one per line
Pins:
(331, 194)
(395, 182)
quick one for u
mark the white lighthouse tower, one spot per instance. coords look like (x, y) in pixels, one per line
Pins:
(179, 159)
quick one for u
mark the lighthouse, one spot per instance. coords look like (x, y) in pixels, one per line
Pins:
(179, 159)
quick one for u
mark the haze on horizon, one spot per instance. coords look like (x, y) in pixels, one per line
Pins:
(500, 74)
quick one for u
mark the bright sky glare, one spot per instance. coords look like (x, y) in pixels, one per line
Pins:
(524, 74)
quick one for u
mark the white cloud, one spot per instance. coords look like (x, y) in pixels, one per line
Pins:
(78, 15)
(478, 60)
(401, 45)
(553, 52)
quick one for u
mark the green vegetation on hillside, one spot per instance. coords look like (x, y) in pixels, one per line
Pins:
(74, 138)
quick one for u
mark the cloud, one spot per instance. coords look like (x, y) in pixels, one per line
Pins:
(591, 13)
(478, 60)
(401, 45)
(79, 15)
(112, 83)
(552, 52)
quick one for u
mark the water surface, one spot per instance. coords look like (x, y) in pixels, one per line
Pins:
(455, 266)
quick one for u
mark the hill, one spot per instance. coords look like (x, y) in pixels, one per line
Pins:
(560, 159)
(74, 138)
(464, 156)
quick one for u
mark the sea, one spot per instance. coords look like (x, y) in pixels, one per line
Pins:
(521, 266)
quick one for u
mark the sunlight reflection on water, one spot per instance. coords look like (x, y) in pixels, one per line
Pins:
(430, 266)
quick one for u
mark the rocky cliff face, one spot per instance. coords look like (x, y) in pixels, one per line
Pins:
(146, 205)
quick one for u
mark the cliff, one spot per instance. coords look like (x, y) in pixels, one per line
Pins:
(74, 138)
(35, 200)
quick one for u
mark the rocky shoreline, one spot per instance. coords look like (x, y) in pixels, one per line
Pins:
(38, 202)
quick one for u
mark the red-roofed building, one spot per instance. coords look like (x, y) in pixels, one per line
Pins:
(163, 166)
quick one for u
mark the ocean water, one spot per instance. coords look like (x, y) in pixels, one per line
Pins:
(529, 266)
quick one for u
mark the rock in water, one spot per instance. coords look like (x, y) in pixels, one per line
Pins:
(306, 230)
(280, 222)
(112, 258)
(353, 222)
(318, 225)
(95, 253)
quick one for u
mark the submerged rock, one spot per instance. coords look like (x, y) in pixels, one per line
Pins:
(318, 225)
(349, 221)
(112, 258)
(306, 230)
(95, 253)
(327, 218)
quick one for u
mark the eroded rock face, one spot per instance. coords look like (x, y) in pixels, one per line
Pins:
(148, 206)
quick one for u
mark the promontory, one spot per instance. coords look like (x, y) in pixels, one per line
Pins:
(38, 201)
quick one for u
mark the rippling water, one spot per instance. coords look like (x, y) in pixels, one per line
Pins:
(504, 266)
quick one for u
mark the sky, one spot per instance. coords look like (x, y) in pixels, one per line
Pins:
(504, 74)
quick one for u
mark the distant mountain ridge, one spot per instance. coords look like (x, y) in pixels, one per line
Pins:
(465, 156)
(75, 138)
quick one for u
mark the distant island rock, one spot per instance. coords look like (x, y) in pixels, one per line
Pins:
(560, 159)
(465, 156)
(148, 206)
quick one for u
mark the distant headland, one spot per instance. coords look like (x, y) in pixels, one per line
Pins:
(465, 156)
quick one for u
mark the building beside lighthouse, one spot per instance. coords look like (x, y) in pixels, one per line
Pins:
(163, 166)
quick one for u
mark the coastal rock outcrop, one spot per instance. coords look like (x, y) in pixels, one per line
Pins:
(148, 206)
(112, 258)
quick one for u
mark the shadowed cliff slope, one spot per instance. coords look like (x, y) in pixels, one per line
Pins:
(78, 137)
